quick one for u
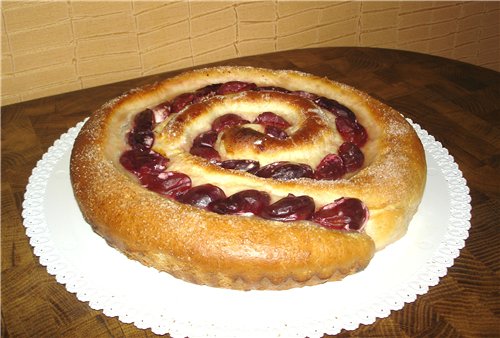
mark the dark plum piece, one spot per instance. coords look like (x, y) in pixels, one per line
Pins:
(352, 156)
(335, 107)
(207, 138)
(141, 135)
(285, 171)
(170, 184)
(202, 195)
(143, 120)
(226, 121)
(161, 111)
(181, 101)
(206, 92)
(250, 166)
(271, 119)
(290, 208)
(276, 132)
(245, 202)
(343, 214)
(206, 152)
(331, 167)
(351, 131)
(141, 162)
(141, 140)
(232, 87)
(272, 89)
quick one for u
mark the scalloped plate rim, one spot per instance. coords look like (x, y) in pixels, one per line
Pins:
(78, 287)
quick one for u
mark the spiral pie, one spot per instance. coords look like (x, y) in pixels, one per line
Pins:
(248, 178)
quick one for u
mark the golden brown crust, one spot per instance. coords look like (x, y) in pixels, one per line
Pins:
(236, 251)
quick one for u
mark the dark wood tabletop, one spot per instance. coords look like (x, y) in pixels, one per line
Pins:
(457, 103)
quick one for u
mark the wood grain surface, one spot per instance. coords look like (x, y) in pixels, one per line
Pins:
(457, 103)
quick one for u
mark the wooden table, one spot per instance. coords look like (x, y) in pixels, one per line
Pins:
(457, 103)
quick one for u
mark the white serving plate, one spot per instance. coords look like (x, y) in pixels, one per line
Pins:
(108, 281)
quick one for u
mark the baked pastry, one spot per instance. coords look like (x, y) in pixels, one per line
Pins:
(248, 178)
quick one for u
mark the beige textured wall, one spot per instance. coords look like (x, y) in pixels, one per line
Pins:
(54, 47)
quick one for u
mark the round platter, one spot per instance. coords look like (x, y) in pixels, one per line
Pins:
(108, 281)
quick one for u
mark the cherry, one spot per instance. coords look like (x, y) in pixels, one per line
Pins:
(335, 107)
(207, 138)
(144, 120)
(342, 214)
(170, 184)
(232, 87)
(202, 195)
(141, 140)
(352, 156)
(141, 162)
(290, 208)
(331, 167)
(208, 153)
(206, 92)
(226, 121)
(285, 171)
(351, 131)
(250, 166)
(141, 136)
(245, 202)
(271, 119)
(181, 101)
(275, 132)
(161, 111)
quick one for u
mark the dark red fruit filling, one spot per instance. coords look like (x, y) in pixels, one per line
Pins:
(243, 165)
(246, 202)
(141, 140)
(202, 195)
(142, 163)
(207, 138)
(290, 208)
(203, 146)
(226, 121)
(161, 111)
(206, 92)
(181, 101)
(285, 171)
(150, 167)
(206, 152)
(352, 156)
(351, 131)
(141, 135)
(331, 167)
(168, 183)
(275, 132)
(274, 125)
(144, 121)
(335, 107)
(232, 87)
(271, 119)
(343, 214)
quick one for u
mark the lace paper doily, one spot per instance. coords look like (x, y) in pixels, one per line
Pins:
(108, 281)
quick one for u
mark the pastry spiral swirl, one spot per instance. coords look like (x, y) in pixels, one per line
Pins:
(248, 178)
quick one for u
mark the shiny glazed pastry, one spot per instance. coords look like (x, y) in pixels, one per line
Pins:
(248, 178)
